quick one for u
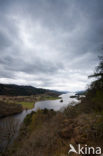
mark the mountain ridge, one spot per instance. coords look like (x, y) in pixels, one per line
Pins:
(23, 90)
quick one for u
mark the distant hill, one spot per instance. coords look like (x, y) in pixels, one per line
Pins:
(16, 90)
(81, 92)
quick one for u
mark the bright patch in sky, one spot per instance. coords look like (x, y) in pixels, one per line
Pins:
(50, 44)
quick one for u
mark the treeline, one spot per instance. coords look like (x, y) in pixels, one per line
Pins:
(48, 133)
(16, 90)
(95, 91)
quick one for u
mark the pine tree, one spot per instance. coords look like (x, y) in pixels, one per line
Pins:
(98, 74)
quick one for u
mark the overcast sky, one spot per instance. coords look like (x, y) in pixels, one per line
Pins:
(51, 44)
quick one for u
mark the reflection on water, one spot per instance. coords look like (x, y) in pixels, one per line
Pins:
(49, 104)
(14, 119)
(56, 104)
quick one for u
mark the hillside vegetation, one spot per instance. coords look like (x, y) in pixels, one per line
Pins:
(10, 105)
(14, 98)
(49, 133)
(16, 90)
(7, 109)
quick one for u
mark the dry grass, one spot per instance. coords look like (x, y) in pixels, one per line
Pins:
(49, 133)
(27, 102)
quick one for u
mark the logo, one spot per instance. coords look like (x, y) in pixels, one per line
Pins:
(84, 150)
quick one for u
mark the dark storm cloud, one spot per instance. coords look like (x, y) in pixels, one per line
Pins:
(52, 44)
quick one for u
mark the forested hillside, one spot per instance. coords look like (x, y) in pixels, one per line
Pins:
(16, 90)
(49, 133)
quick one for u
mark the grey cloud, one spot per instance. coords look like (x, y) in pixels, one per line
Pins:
(4, 41)
(48, 38)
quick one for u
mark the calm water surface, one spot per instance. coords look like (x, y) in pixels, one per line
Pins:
(49, 104)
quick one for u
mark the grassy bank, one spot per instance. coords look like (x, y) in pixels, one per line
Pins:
(30, 105)
(27, 105)
(49, 133)
(15, 104)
